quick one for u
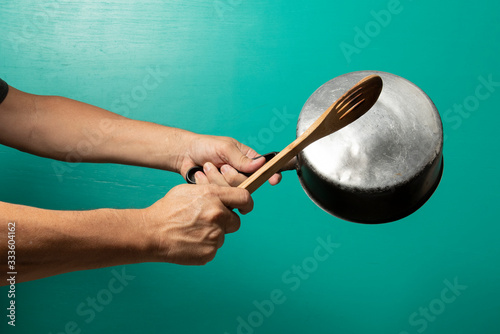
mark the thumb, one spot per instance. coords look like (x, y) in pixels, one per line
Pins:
(235, 198)
(186, 166)
(242, 162)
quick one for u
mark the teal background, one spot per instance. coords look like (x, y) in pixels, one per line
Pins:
(229, 65)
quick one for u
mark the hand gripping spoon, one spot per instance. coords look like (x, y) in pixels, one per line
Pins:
(348, 108)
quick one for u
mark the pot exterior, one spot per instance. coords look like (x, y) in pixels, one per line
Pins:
(380, 168)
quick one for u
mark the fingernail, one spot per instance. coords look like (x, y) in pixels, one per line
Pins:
(228, 169)
(207, 167)
(224, 169)
(198, 175)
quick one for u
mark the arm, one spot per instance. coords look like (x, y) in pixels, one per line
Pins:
(68, 130)
(187, 226)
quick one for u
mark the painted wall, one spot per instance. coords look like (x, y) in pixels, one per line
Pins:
(230, 67)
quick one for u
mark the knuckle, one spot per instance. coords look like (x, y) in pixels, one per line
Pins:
(209, 190)
(215, 235)
(227, 145)
(235, 226)
(216, 214)
(207, 255)
(243, 159)
(231, 178)
(245, 197)
(205, 191)
(228, 177)
(177, 188)
(213, 189)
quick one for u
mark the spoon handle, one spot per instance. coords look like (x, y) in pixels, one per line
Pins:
(278, 162)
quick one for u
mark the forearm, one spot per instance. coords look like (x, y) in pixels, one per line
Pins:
(51, 242)
(68, 130)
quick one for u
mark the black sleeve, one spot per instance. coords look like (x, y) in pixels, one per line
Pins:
(4, 89)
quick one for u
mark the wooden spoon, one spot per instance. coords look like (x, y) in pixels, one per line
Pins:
(348, 108)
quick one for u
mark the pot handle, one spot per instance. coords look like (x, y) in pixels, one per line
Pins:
(190, 174)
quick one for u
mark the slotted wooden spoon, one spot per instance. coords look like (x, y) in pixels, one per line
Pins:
(348, 108)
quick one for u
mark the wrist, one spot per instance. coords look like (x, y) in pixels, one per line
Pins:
(135, 239)
(185, 145)
(169, 148)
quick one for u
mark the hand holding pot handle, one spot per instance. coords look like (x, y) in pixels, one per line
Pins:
(191, 179)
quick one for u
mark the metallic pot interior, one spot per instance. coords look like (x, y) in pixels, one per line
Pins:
(380, 168)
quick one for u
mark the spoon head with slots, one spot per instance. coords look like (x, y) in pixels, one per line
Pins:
(348, 108)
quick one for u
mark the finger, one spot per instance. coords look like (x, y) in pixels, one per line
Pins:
(248, 151)
(235, 198)
(290, 165)
(201, 178)
(275, 179)
(214, 176)
(232, 176)
(218, 235)
(241, 157)
(233, 223)
(227, 222)
(220, 241)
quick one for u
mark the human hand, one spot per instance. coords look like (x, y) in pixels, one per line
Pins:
(226, 154)
(188, 225)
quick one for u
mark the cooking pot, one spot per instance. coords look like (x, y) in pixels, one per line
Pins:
(380, 168)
